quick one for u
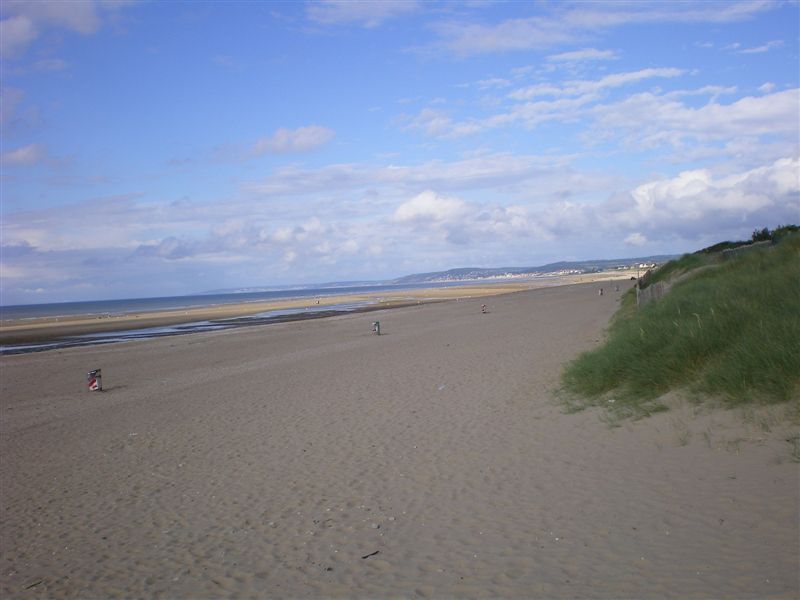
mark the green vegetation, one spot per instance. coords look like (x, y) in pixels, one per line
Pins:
(730, 331)
(764, 235)
(712, 254)
(674, 268)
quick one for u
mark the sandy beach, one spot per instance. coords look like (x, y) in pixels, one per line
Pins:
(313, 459)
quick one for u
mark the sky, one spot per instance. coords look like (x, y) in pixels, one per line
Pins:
(170, 148)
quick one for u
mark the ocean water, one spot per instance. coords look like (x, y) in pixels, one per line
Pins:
(140, 305)
(137, 305)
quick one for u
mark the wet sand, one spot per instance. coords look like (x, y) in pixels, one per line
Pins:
(314, 459)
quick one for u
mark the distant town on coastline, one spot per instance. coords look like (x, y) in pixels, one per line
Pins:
(465, 274)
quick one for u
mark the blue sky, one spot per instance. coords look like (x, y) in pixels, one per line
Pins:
(153, 148)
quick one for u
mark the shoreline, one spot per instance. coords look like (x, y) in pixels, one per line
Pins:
(52, 329)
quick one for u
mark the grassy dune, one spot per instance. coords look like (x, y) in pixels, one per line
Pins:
(731, 331)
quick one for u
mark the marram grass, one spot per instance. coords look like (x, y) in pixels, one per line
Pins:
(731, 332)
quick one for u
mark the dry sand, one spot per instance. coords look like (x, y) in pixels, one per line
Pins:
(314, 459)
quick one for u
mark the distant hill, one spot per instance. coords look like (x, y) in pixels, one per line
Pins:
(466, 274)
(476, 273)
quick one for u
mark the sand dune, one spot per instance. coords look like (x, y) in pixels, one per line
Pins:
(314, 459)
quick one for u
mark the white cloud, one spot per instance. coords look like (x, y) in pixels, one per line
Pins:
(282, 141)
(493, 83)
(585, 54)
(571, 23)
(499, 171)
(433, 122)
(15, 35)
(350, 247)
(25, 21)
(294, 181)
(697, 199)
(767, 88)
(531, 114)
(650, 120)
(429, 207)
(366, 14)
(285, 141)
(31, 154)
(81, 17)
(513, 35)
(572, 100)
(636, 239)
(686, 205)
(761, 49)
(170, 248)
(706, 90)
(438, 124)
(581, 87)
(653, 11)
(281, 235)
(444, 221)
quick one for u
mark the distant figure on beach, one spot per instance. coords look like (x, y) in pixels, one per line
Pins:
(600, 293)
(616, 288)
(376, 327)
(483, 308)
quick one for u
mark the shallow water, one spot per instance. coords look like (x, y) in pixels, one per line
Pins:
(110, 337)
(138, 305)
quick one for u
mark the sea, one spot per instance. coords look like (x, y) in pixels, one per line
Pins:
(110, 308)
